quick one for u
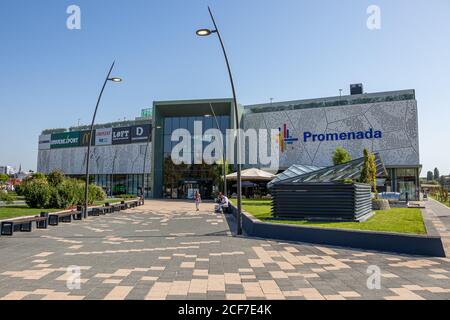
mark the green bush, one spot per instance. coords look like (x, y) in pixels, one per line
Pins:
(55, 178)
(60, 193)
(95, 194)
(65, 194)
(18, 190)
(37, 193)
(6, 197)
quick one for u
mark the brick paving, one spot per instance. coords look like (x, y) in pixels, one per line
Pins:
(167, 250)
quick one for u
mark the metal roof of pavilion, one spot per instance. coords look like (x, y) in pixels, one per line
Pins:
(292, 172)
(349, 170)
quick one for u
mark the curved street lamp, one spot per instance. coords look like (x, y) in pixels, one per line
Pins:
(88, 153)
(204, 33)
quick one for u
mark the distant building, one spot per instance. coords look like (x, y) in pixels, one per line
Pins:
(9, 170)
(445, 182)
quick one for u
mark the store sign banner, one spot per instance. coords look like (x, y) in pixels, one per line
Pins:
(84, 138)
(65, 140)
(103, 137)
(45, 141)
(121, 135)
(141, 133)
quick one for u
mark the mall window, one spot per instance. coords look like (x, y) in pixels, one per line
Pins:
(181, 181)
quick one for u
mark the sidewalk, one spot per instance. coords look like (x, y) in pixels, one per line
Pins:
(440, 216)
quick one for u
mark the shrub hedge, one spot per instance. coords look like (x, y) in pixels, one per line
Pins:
(58, 192)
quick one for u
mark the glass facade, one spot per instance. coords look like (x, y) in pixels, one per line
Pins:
(119, 184)
(406, 182)
(182, 181)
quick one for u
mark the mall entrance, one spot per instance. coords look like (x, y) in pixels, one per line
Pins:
(187, 189)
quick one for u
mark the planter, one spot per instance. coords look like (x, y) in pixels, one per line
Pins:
(380, 204)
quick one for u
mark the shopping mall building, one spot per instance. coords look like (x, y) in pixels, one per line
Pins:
(128, 155)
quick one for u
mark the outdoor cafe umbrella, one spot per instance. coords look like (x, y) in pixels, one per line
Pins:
(252, 174)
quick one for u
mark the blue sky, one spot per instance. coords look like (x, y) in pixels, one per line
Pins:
(281, 49)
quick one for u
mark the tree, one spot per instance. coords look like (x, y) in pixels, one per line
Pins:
(429, 176)
(364, 177)
(369, 170)
(38, 175)
(55, 178)
(341, 156)
(3, 178)
(373, 173)
(436, 174)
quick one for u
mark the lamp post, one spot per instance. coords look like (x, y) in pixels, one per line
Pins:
(88, 153)
(204, 33)
(224, 161)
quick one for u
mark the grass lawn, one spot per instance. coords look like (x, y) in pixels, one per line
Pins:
(20, 211)
(401, 220)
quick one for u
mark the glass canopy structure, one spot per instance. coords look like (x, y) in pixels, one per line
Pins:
(349, 170)
(293, 172)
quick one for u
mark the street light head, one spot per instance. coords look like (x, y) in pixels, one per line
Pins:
(207, 116)
(204, 32)
(115, 79)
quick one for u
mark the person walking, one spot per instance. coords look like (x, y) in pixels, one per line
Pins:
(198, 200)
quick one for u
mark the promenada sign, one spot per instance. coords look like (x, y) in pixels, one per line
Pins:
(360, 135)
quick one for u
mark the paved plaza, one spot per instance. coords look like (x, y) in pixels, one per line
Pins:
(167, 250)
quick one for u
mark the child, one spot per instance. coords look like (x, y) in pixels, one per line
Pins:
(198, 200)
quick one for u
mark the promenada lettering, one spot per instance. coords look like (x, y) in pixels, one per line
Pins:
(360, 135)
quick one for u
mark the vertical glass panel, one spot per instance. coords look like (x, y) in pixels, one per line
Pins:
(167, 143)
(184, 122)
(175, 123)
(208, 123)
(167, 126)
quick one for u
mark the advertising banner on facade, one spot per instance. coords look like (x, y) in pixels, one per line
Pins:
(141, 133)
(84, 138)
(65, 140)
(121, 135)
(103, 137)
(44, 141)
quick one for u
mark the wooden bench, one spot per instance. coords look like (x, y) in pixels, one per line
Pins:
(24, 224)
(63, 216)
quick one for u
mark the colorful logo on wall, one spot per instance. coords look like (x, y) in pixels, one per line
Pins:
(285, 138)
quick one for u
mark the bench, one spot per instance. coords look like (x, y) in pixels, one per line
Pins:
(97, 211)
(24, 224)
(116, 207)
(64, 216)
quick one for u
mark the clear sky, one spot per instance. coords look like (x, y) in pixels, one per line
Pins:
(281, 49)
